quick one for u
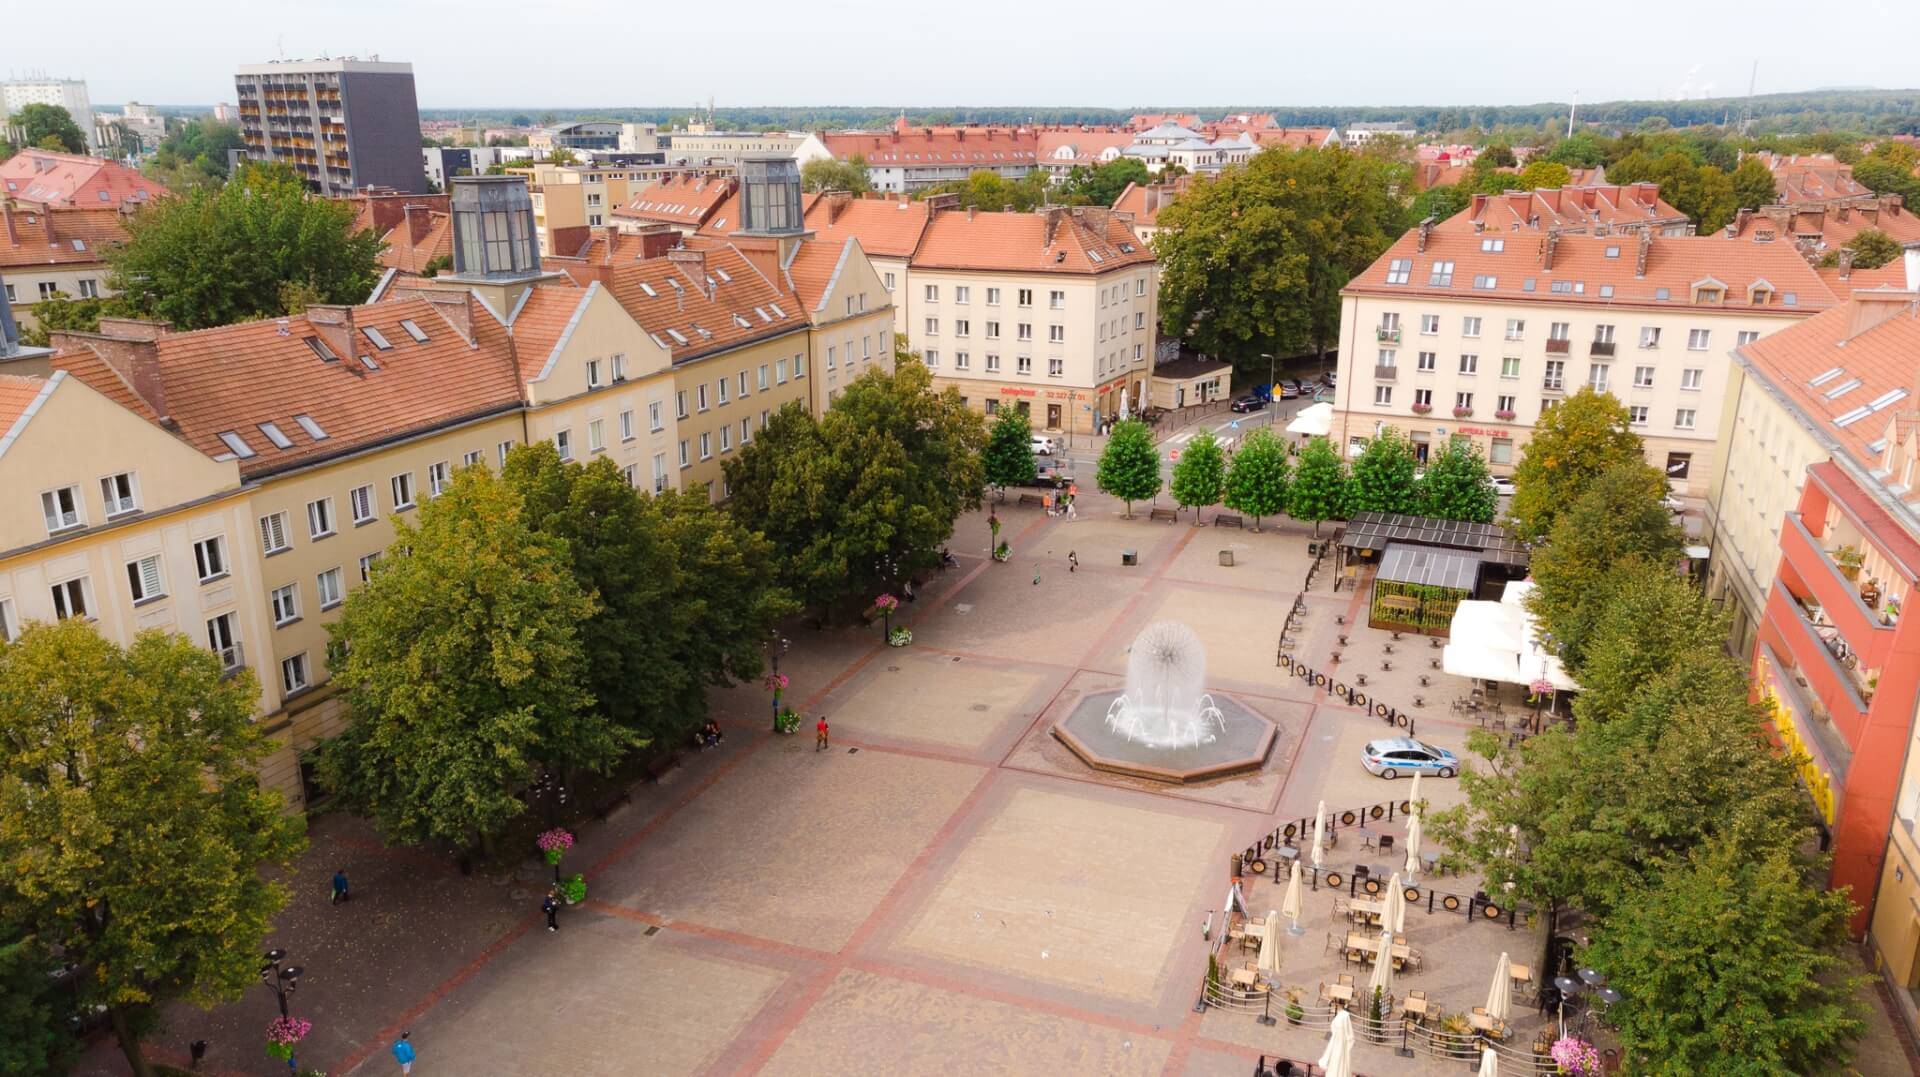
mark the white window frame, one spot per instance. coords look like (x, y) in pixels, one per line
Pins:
(401, 487)
(273, 526)
(72, 598)
(563, 443)
(60, 517)
(293, 674)
(438, 476)
(330, 579)
(320, 521)
(210, 553)
(283, 604)
(146, 580)
(120, 493)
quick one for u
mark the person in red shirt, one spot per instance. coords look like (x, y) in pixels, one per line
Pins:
(820, 735)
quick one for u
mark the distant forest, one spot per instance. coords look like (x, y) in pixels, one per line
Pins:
(1866, 111)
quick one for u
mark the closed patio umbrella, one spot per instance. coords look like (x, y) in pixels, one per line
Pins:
(1270, 944)
(1413, 844)
(1394, 917)
(1382, 979)
(1290, 905)
(1320, 836)
(1500, 995)
(1489, 1063)
(1413, 798)
(1337, 1059)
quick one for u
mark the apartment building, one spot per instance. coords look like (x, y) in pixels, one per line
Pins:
(1054, 313)
(1060, 150)
(907, 158)
(888, 229)
(1815, 227)
(49, 180)
(46, 253)
(685, 202)
(567, 197)
(1594, 209)
(708, 147)
(70, 94)
(1464, 334)
(1140, 204)
(340, 124)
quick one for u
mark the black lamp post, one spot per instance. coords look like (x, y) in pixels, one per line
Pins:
(280, 979)
(777, 645)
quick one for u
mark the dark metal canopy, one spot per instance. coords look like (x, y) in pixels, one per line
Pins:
(1429, 566)
(1374, 531)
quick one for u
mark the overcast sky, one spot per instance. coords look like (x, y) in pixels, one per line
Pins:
(1117, 53)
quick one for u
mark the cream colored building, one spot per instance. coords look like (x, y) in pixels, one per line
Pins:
(705, 147)
(577, 196)
(1459, 333)
(43, 252)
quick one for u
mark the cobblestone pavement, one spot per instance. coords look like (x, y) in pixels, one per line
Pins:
(945, 891)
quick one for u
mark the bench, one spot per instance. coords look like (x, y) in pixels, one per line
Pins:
(1032, 499)
(1228, 519)
(1169, 515)
(657, 768)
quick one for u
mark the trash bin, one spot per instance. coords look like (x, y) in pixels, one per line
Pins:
(1129, 557)
(1226, 558)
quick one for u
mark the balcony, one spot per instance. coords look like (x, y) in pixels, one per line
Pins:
(1385, 372)
(1601, 349)
(232, 660)
(1837, 597)
(1387, 336)
(1816, 659)
(1559, 347)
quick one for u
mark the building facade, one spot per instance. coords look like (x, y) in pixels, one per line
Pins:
(340, 124)
(907, 158)
(70, 94)
(56, 253)
(709, 147)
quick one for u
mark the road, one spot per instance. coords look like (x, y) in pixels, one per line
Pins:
(1083, 460)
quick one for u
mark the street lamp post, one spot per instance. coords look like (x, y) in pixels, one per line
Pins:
(1271, 366)
(777, 645)
(281, 980)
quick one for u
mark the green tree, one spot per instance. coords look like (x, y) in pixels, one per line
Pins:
(464, 670)
(1701, 191)
(59, 311)
(195, 155)
(33, 1034)
(1318, 489)
(1729, 963)
(561, 155)
(207, 257)
(1129, 465)
(1497, 155)
(989, 191)
(1541, 174)
(1883, 173)
(1381, 478)
(830, 174)
(49, 127)
(133, 828)
(1871, 248)
(1101, 185)
(1253, 261)
(1753, 184)
(1439, 202)
(1641, 621)
(1257, 478)
(1619, 516)
(1200, 476)
(1008, 460)
(1572, 445)
(1578, 150)
(1457, 485)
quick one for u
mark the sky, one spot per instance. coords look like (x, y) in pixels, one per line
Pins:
(1117, 53)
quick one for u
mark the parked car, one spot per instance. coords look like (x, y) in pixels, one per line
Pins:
(1396, 756)
(1043, 445)
(1503, 486)
(1331, 377)
(1287, 390)
(1673, 504)
(1248, 402)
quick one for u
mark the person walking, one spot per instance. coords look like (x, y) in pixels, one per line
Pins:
(1073, 561)
(340, 886)
(403, 1052)
(820, 735)
(1036, 574)
(551, 906)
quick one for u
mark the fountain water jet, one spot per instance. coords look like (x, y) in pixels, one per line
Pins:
(1165, 705)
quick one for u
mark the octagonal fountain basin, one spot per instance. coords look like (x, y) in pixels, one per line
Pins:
(1240, 744)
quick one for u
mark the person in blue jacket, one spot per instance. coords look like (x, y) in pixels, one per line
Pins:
(403, 1052)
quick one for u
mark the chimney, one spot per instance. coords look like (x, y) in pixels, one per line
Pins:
(1640, 257)
(837, 202)
(130, 347)
(1840, 211)
(969, 213)
(6, 222)
(1426, 230)
(1846, 262)
(419, 223)
(333, 324)
(1095, 218)
(1740, 221)
(1647, 193)
(1869, 308)
(1546, 248)
(692, 263)
(456, 308)
(1054, 216)
(656, 240)
(1479, 206)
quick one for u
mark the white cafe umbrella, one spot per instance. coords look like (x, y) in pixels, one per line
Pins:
(1290, 905)
(1413, 845)
(1413, 795)
(1320, 836)
(1489, 1063)
(1500, 995)
(1394, 918)
(1314, 420)
(1269, 944)
(1382, 979)
(1337, 1059)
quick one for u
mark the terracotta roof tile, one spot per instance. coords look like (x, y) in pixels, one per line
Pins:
(1084, 145)
(69, 179)
(1571, 209)
(1079, 240)
(704, 299)
(539, 323)
(87, 365)
(726, 218)
(1146, 202)
(885, 227)
(977, 147)
(1817, 363)
(16, 394)
(410, 255)
(689, 201)
(1146, 120)
(58, 237)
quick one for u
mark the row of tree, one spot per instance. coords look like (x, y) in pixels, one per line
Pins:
(1666, 815)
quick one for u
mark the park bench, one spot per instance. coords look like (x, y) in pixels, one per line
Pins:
(1033, 499)
(1169, 515)
(1228, 519)
(657, 768)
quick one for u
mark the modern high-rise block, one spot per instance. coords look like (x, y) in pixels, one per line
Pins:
(70, 94)
(340, 124)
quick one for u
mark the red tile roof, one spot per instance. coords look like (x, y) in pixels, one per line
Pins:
(978, 147)
(814, 266)
(1148, 120)
(418, 239)
(1828, 224)
(1291, 137)
(36, 237)
(539, 323)
(1812, 177)
(1859, 355)
(380, 212)
(885, 227)
(1570, 209)
(1146, 202)
(1083, 143)
(69, 179)
(1080, 239)
(726, 220)
(17, 393)
(689, 201)
(700, 300)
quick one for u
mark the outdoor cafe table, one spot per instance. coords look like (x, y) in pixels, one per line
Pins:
(1341, 993)
(1370, 946)
(1484, 1023)
(1372, 908)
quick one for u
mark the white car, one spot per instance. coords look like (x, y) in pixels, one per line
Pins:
(1503, 487)
(1043, 445)
(1673, 504)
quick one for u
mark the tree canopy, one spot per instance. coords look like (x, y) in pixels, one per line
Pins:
(210, 257)
(1253, 261)
(1753, 185)
(989, 191)
(1129, 465)
(1573, 443)
(1257, 477)
(1381, 477)
(1199, 477)
(1008, 459)
(1457, 485)
(1619, 516)
(832, 174)
(133, 828)
(1101, 185)
(1318, 489)
(195, 155)
(1871, 249)
(1539, 174)
(49, 127)
(1703, 192)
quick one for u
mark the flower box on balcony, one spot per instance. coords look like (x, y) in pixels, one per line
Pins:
(1504, 414)
(1463, 413)
(1422, 409)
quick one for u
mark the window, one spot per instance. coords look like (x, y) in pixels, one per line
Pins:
(932, 292)
(210, 558)
(1510, 366)
(659, 472)
(619, 368)
(993, 330)
(1469, 364)
(70, 599)
(680, 398)
(1556, 374)
(1423, 398)
(1485, 282)
(780, 372)
(1057, 300)
(285, 603)
(626, 425)
(1429, 325)
(1023, 364)
(706, 446)
(1501, 451)
(932, 358)
(143, 576)
(1745, 337)
(1603, 334)
(1442, 276)
(1692, 377)
(1469, 327)
(1057, 334)
(593, 374)
(293, 674)
(273, 533)
(743, 382)
(470, 459)
(1389, 322)
(1139, 319)
(1559, 331)
(506, 447)
(62, 508)
(224, 641)
(933, 327)
(1505, 403)
(1636, 415)
(1597, 377)
(1516, 328)
(563, 439)
(1399, 270)
(685, 459)
(993, 363)
(726, 437)
(961, 327)
(413, 330)
(1493, 245)
(327, 586)
(1678, 464)
(1056, 368)
(993, 297)
(320, 518)
(48, 289)
(700, 396)
(630, 472)
(1649, 336)
(962, 293)
(653, 416)
(1697, 339)
(993, 408)
(887, 280)
(1023, 331)
(746, 430)
(1382, 395)
(1643, 377)
(366, 565)
(402, 491)
(962, 361)
(120, 494)
(1024, 296)
(1683, 419)
(1463, 401)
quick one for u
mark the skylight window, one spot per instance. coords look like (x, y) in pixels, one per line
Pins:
(367, 361)
(1842, 389)
(1825, 376)
(1791, 299)
(1492, 245)
(1851, 417)
(413, 330)
(312, 428)
(678, 336)
(237, 443)
(320, 349)
(1486, 282)
(742, 322)
(379, 340)
(721, 273)
(1606, 291)
(1662, 294)
(1127, 248)
(762, 312)
(1613, 252)
(280, 440)
(777, 312)
(1529, 285)
(79, 244)
(1095, 255)
(1891, 396)
(648, 288)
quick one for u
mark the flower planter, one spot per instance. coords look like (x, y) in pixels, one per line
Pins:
(1003, 553)
(1463, 413)
(1422, 409)
(1504, 416)
(900, 637)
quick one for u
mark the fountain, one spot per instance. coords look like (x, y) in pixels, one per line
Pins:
(1164, 725)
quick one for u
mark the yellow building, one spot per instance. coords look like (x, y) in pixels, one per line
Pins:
(570, 197)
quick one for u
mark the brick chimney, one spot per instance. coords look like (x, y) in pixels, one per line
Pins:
(656, 240)
(334, 325)
(1741, 219)
(1546, 248)
(1055, 215)
(1869, 308)
(1426, 230)
(1478, 207)
(1846, 262)
(419, 223)
(6, 223)
(129, 346)
(1640, 256)
(837, 202)
(1647, 193)
(693, 264)
(456, 308)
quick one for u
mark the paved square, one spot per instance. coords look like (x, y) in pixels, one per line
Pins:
(1240, 632)
(1074, 890)
(914, 695)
